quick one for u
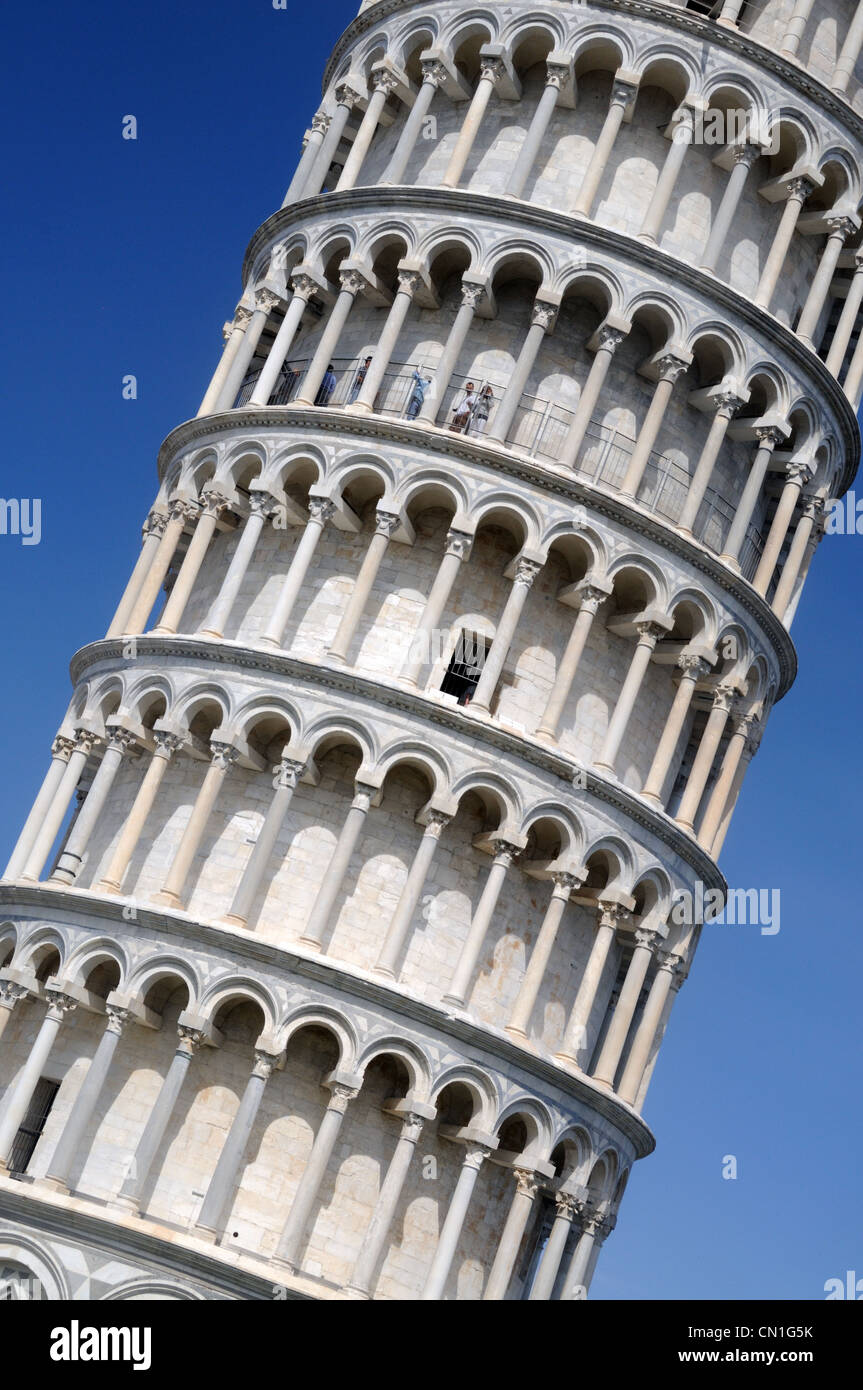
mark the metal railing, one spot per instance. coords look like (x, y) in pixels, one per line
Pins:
(539, 430)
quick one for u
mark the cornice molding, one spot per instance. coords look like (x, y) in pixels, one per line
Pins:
(501, 461)
(213, 654)
(362, 988)
(660, 264)
(700, 27)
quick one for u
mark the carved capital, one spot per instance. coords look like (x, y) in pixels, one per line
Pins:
(120, 741)
(727, 403)
(666, 961)
(437, 823)
(363, 796)
(646, 937)
(409, 282)
(491, 70)
(154, 525)
(303, 286)
(321, 510)
(557, 75)
(62, 747)
(224, 755)
(59, 1004)
(475, 1155)
(724, 697)
(543, 314)
(434, 73)
(266, 300)
(213, 503)
(504, 852)
(526, 1182)
(591, 598)
(567, 1205)
(287, 773)
(166, 743)
(351, 281)
(649, 633)
(11, 993)
(471, 295)
(320, 123)
(609, 338)
(341, 1097)
(412, 1127)
(671, 367)
(692, 666)
(611, 914)
(117, 1019)
(85, 741)
(265, 1065)
(190, 1039)
(458, 543)
(526, 572)
(242, 318)
(799, 473)
(841, 227)
(768, 436)
(386, 523)
(384, 81)
(746, 154)
(346, 95)
(800, 189)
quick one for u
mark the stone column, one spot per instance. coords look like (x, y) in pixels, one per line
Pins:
(748, 754)
(52, 818)
(454, 1221)
(724, 782)
(458, 545)
(796, 474)
(575, 1037)
(854, 376)
(182, 512)
(750, 497)
(670, 368)
(434, 75)
(265, 303)
(591, 599)
(69, 1143)
(409, 283)
(304, 288)
(728, 16)
(850, 52)
(381, 1220)
(723, 699)
(17, 1100)
(351, 284)
(622, 93)
(166, 746)
(795, 30)
(504, 854)
(491, 71)
(286, 774)
(682, 137)
(525, 573)
(840, 228)
(320, 512)
(224, 757)
(154, 529)
(212, 505)
(312, 144)
(385, 524)
(726, 403)
(387, 961)
(159, 1118)
(576, 1275)
(744, 158)
(558, 74)
(526, 1188)
(798, 192)
(813, 511)
(567, 1206)
(471, 294)
(540, 955)
(346, 99)
(648, 636)
(609, 340)
(11, 993)
(332, 880)
(261, 508)
(847, 319)
(542, 320)
(120, 741)
(61, 751)
(234, 331)
(221, 1187)
(642, 1043)
(624, 1011)
(693, 669)
(383, 84)
(289, 1249)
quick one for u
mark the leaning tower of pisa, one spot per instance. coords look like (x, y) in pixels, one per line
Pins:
(340, 941)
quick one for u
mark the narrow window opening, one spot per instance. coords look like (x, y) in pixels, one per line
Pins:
(465, 667)
(30, 1133)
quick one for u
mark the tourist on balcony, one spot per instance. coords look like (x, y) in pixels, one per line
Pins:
(418, 394)
(463, 409)
(481, 411)
(327, 386)
(360, 377)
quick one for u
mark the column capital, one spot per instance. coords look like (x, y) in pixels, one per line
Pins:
(265, 1063)
(385, 81)
(592, 1218)
(747, 154)
(341, 1097)
(813, 507)
(743, 724)
(303, 286)
(692, 666)
(841, 226)
(505, 852)
(611, 914)
(475, 1154)
(262, 504)
(59, 1003)
(320, 123)
(458, 543)
(242, 318)
(568, 1204)
(724, 697)
(648, 937)
(527, 1182)
(666, 961)
(727, 403)
(386, 523)
(224, 754)
(622, 91)
(184, 509)
(491, 69)
(564, 882)
(409, 282)
(671, 367)
(800, 188)
(591, 598)
(799, 472)
(117, 1018)
(649, 632)
(213, 502)
(472, 295)
(189, 1039)
(346, 95)
(364, 795)
(544, 314)
(154, 525)
(352, 281)
(166, 743)
(557, 75)
(768, 436)
(120, 740)
(321, 510)
(11, 992)
(609, 338)
(62, 747)
(434, 72)
(287, 773)
(266, 300)
(412, 1126)
(437, 823)
(526, 572)
(86, 741)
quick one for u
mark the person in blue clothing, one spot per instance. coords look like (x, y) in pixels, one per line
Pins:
(362, 373)
(418, 394)
(327, 386)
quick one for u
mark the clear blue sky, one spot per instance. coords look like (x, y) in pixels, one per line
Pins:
(125, 257)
